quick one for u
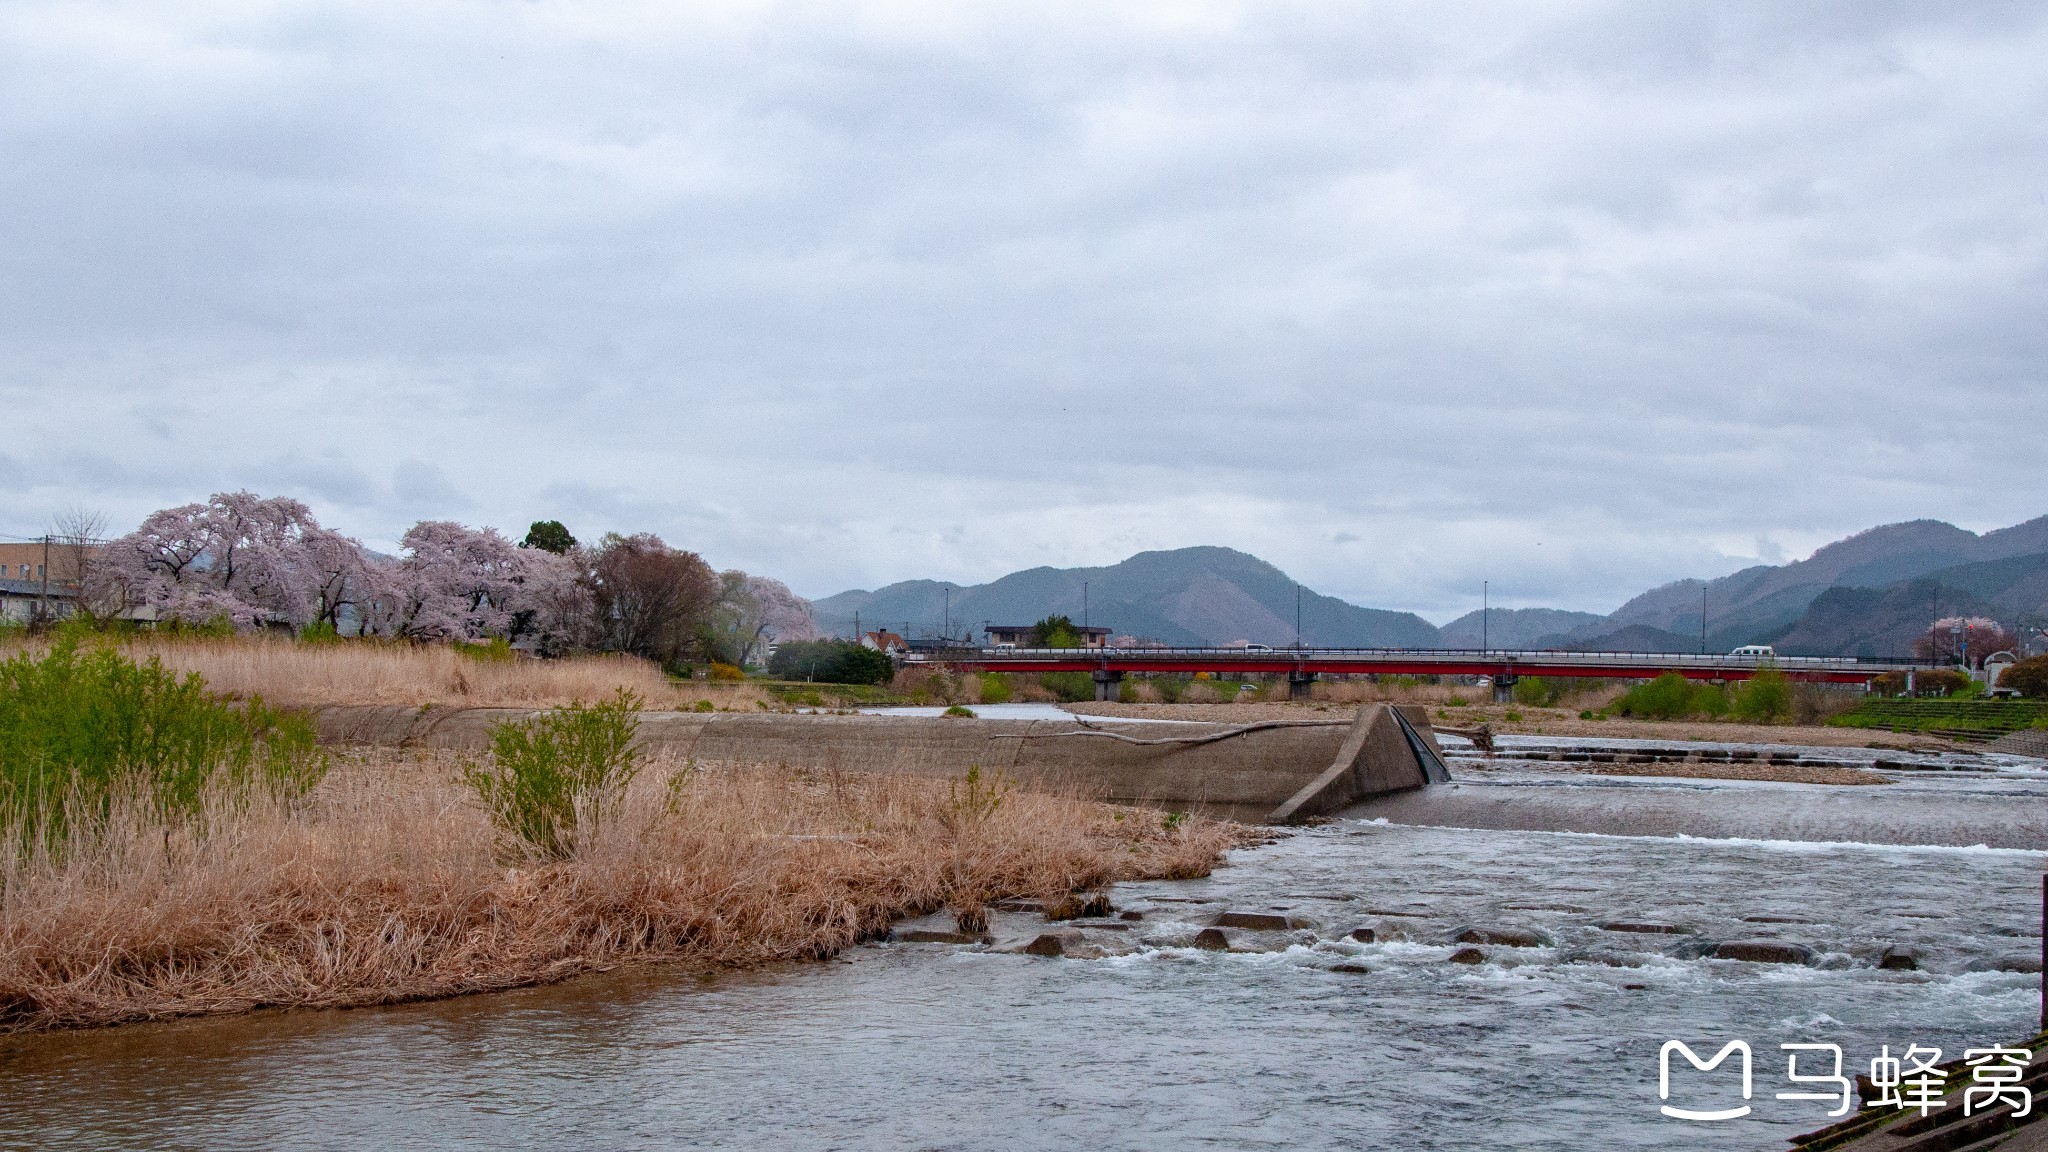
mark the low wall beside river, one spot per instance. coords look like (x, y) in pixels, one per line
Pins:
(1271, 772)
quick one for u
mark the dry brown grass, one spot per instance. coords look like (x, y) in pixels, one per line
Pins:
(388, 884)
(291, 674)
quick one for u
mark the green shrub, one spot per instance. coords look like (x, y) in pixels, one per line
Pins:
(1070, 687)
(547, 771)
(830, 662)
(319, 632)
(1170, 688)
(959, 710)
(1764, 697)
(729, 673)
(1671, 697)
(79, 729)
(496, 650)
(995, 688)
(2029, 677)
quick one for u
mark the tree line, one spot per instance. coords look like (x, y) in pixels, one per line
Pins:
(249, 562)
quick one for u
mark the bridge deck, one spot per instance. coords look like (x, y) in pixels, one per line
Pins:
(1412, 662)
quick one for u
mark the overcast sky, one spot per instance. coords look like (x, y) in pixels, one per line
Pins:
(1397, 296)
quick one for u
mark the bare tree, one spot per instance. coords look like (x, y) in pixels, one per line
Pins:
(648, 598)
(77, 541)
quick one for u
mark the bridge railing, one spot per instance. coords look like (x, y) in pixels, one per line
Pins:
(1501, 656)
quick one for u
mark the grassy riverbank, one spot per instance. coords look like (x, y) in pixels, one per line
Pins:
(169, 850)
(295, 674)
(388, 882)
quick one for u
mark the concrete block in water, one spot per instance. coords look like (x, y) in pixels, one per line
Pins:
(1900, 958)
(1211, 939)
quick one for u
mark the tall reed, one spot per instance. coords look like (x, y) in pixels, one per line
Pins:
(294, 674)
(386, 884)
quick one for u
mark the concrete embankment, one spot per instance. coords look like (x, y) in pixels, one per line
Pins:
(1271, 772)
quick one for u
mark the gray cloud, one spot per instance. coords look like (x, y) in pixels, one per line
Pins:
(1399, 298)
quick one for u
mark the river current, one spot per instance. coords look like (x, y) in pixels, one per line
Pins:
(1299, 1038)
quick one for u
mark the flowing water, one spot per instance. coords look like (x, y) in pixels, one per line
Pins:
(1301, 1038)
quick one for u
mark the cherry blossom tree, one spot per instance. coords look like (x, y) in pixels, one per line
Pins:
(1953, 637)
(251, 560)
(785, 616)
(460, 583)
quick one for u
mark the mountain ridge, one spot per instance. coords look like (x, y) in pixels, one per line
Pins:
(1862, 593)
(1203, 595)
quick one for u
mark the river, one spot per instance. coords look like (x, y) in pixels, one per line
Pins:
(1302, 1039)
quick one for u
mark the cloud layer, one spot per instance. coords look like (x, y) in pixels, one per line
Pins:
(1398, 298)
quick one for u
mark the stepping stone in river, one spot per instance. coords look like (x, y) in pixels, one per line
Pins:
(1260, 921)
(1764, 952)
(1642, 926)
(1468, 956)
(1054, 943)
(928, 936)
(1212, 940)
(1900, 958)
(2020, 963)
(1506, 937)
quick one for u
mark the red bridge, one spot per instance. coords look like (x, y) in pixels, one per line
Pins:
(1302, 666)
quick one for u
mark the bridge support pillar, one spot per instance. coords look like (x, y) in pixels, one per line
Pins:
(1107, 684)
(1504, 687)
(1299, 682)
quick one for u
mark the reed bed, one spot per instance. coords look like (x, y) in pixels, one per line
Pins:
(286, 673)
(388, 882)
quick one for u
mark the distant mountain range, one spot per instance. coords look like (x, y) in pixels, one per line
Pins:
(1871, 594)
(1192, 596)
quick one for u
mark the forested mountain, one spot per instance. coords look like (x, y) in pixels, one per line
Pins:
(1184, 596)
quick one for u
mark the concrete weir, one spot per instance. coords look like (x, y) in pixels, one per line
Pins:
(1274, 772)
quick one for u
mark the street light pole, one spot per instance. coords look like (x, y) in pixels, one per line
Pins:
(1485, 611)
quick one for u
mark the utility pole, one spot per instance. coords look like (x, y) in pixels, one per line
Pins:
(946, 622)
(43, 605)
(1703, 617)
(1485, 611)
(1297, 617)
(1084, 611)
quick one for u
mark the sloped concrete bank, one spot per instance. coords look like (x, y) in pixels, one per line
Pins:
(1268, 772)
